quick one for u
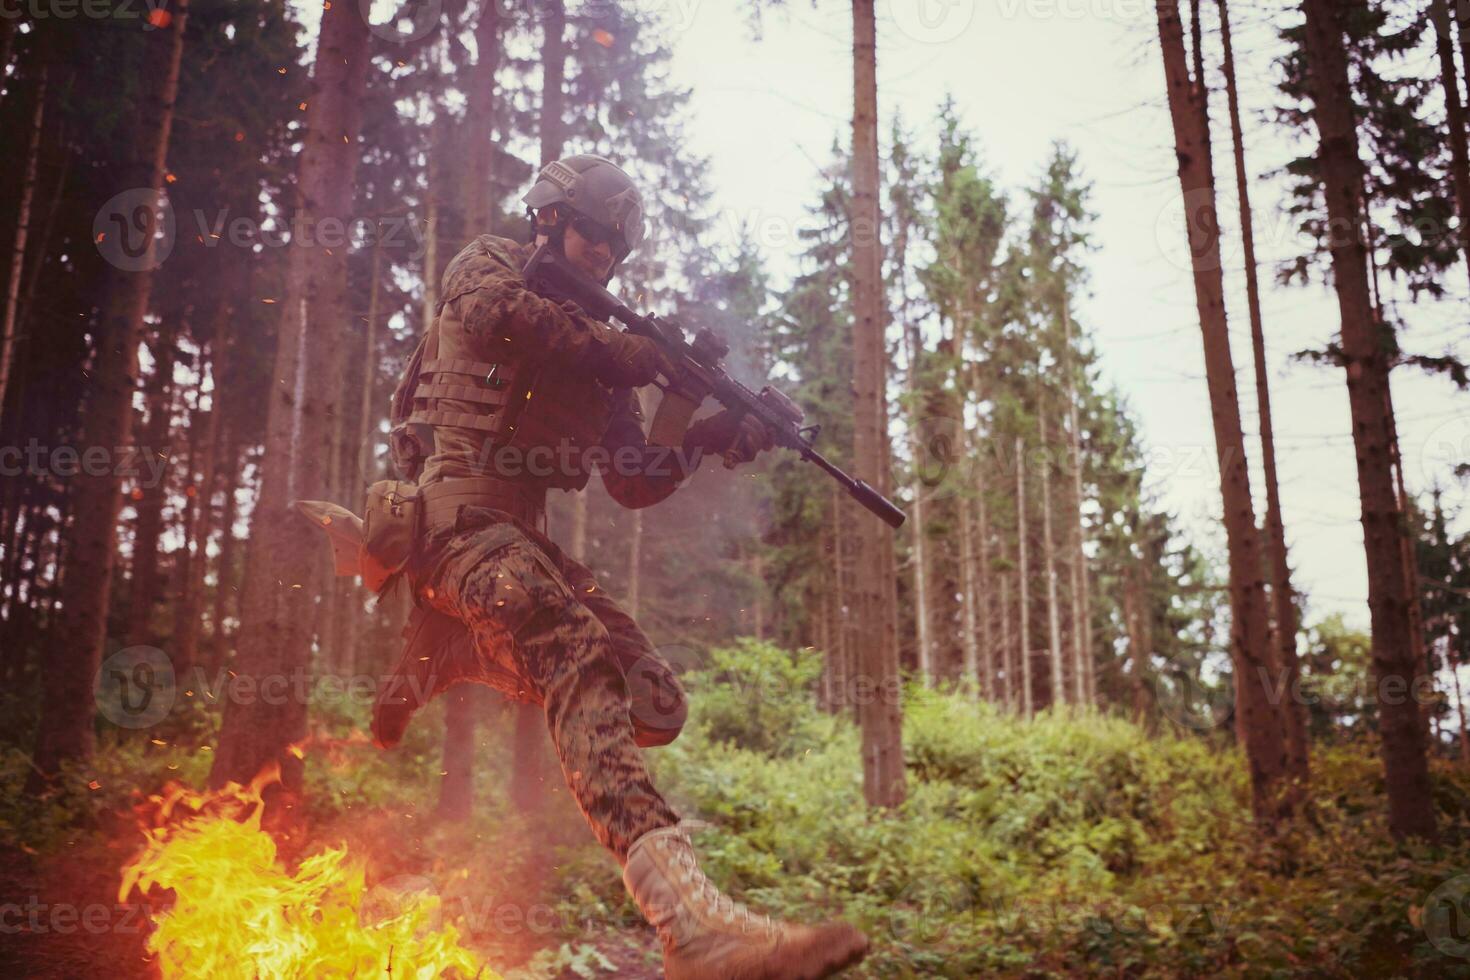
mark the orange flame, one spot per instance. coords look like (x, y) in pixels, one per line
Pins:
(237, 911)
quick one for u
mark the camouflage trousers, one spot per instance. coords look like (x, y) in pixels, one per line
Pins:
(544, 631)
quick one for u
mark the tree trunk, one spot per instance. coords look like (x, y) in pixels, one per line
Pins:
(67, 706)
(1006, 645)
(457, 776)
(22, 229)
(553, 68)
(149, 500)
(1462, 28)
(1135, 622)
(969, 624)
(532, 764)
(1364, 349)
(431, 226)
(1423, 675)
(1460, 711)
(1294, 714)
(274, 645)
(186, 630)
(1260, 721)
(1439, 13)
(224, 586)
(479, 120)
(1048, 556)
(984, 678)
(877, 640)
(1023, 622)
(1081, 598)
(922, 588)
(366, 427)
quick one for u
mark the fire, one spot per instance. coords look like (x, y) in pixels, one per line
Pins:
(238, 911)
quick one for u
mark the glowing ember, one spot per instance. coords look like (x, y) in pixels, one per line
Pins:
(239, 912)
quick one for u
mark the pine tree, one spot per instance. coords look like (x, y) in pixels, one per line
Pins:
(1257, 719)
(1283, 606)
(1364, 351)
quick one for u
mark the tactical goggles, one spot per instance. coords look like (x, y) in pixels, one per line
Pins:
(596, 233)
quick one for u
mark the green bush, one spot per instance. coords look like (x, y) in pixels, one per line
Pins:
(1072, 844)
(757, 696)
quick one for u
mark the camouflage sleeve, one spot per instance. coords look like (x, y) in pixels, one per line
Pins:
(484, 288)
(639, 475)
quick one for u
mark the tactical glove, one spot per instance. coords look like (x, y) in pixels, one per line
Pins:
(625, 360)
(736, 437)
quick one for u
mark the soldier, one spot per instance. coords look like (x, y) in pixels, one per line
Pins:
(517, 392)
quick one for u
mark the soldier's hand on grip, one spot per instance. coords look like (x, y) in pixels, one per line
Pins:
(626, 360)
(736, 437)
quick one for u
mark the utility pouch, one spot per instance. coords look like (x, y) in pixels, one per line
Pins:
(409, 445)
(391, 523)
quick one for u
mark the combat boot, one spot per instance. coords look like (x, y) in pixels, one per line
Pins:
(707, 936)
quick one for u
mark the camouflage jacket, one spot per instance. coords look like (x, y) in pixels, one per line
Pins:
(487, 313)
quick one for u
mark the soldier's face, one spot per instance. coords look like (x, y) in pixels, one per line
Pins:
(593, 258)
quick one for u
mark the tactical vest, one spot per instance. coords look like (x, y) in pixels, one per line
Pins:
(515, 404)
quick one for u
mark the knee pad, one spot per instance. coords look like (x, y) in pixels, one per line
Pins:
(658, 706)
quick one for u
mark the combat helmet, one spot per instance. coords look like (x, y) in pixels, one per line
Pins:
(597, 189)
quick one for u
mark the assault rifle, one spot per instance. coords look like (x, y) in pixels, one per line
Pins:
(701, 373)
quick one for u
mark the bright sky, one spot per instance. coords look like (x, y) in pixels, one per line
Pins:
(1025, 73)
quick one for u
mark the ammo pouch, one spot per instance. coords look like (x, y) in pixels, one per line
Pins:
(391, 524)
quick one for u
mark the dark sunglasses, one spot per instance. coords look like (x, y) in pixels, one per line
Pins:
(597, 233)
